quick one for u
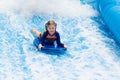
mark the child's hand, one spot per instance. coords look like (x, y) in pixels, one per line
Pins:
(40, 46)
(65, 46)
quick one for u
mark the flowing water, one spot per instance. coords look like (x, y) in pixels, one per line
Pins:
(92, 51)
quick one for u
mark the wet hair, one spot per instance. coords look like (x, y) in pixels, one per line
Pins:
(50, 22)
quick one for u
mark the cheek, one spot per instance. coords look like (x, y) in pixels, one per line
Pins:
(49, 29)
(54, 29)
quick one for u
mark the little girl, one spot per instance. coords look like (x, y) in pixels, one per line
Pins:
(49, 36)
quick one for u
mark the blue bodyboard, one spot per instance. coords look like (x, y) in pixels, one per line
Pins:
(47, 47)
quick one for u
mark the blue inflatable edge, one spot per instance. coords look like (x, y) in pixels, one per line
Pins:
(110, 12)
(48, 48)
(53, 49)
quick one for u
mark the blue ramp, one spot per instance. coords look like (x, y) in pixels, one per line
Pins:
(110, 12)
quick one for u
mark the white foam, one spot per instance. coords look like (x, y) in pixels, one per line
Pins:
(53, 7)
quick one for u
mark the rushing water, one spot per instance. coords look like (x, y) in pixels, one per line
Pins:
(92, 52)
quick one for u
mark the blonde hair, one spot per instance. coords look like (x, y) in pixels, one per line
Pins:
(50, 22)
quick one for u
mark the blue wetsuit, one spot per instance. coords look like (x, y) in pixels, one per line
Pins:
(47, 39)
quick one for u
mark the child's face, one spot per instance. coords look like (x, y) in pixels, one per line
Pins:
(51, 29)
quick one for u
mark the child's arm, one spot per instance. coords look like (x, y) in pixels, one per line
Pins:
(41, 41)
(36, 32)
(59, 42)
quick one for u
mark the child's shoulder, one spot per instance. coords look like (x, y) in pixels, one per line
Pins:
(43, 32)
(57, 33)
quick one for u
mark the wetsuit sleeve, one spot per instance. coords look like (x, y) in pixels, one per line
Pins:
(58, 40)
(42, 39)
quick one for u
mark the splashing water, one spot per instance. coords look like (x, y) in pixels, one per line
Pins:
(91, 53)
